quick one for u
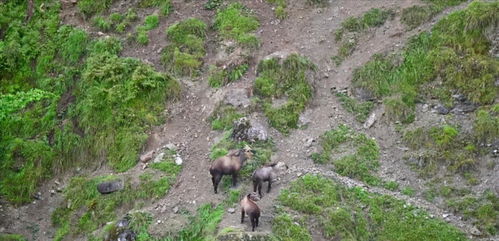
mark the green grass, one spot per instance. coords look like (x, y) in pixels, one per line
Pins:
(223, 117)
(353, 214)
(91, 7)
(408, 191)
(213, 4)
(482, 210)
(352, 26)
(12, 237)
(116, 21)
(280, 8)
(184, 55)
(165, 6)
(360, 110)
(237, 22)
(284, 79)
(486, 125)
(416, 15)
(444, 146)
(142, 34)
(456, 52)
(151, 22)
(359, 165)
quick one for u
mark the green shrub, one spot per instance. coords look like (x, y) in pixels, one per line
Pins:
(237, 22)
(286, 78)
(109, 45)
(486, 126)
(151, 22)
(285, 228)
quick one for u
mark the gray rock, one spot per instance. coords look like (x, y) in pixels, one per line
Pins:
(110, 186)
(240, 129)
(238, 98)
(170, 146)
(459, 97)
(442, 110)
(37, 196)
(127, 235)
(370, 121)
(178, 160)
(363, 94)
(231, 210)
(175, 210)
(123, 223)
(257, 132)
(159, 157)
(147, 156)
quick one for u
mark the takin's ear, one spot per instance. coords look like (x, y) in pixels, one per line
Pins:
(238, 153)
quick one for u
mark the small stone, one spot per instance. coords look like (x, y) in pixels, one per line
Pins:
(159, 221)
(147, 156)
(175, 210)
(370, 121)
(178, 160)
(52, 192)
(442, 110)
(445, 215)
(231, 210)
(170, 146)
(299, 174)
(475, 231)
(38, 196)
(57, 183)
(159, 157)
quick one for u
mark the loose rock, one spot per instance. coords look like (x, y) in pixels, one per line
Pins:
(370, 121)
(110, 186)
(178, 160)
(147, 156)
(442, 110)
(231, 210)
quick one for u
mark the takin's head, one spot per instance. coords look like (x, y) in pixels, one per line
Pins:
(246, 153)
(253, 196)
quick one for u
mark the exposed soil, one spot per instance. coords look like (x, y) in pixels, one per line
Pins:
(308, 31)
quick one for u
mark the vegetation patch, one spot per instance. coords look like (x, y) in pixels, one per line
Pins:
(213, 4)
(455, 52)
(347, 35)
(353, 214)
(91, 7)
(184, 55)
(85, 210)
(220, 77)
(12, 237)
(284, 79)
(236, 22)
(116, 21)
(359, 165)
(416, 15)
(360, 110)
(444, 146)
(165, 6)
(150, 22)
(223, 117)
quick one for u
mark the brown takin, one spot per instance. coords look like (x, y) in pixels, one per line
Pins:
(267, 173)
(229, 164)
(248, 206)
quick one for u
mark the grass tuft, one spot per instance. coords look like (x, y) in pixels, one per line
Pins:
(237, 22)
(284, 79)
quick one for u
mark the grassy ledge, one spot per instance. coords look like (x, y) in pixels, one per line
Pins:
(284, 79)
(416, 15)
(352, 214)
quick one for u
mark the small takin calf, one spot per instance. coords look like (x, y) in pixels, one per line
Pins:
(249, 207)
(229, 164)
(267, 173)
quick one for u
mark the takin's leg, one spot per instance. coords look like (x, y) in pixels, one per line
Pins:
(234, 179)
(268, 189)
(216, 180)
(253, 224)
(255, 185)
(242, 215)
(256, 220)
(260, 184)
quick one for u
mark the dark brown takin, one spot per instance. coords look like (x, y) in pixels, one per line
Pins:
(248, 206)
(229, 164)
(268, 173)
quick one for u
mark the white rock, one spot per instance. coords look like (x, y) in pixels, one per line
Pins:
(370, 121)
(178, 160)
(159, 157)
(231, 210)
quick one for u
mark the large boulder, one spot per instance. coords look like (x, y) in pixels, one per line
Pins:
(249, 130)
(110, 186)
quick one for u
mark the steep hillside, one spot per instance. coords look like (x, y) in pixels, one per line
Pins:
(386, 113)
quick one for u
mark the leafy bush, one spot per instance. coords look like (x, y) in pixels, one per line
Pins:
(284, 80)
